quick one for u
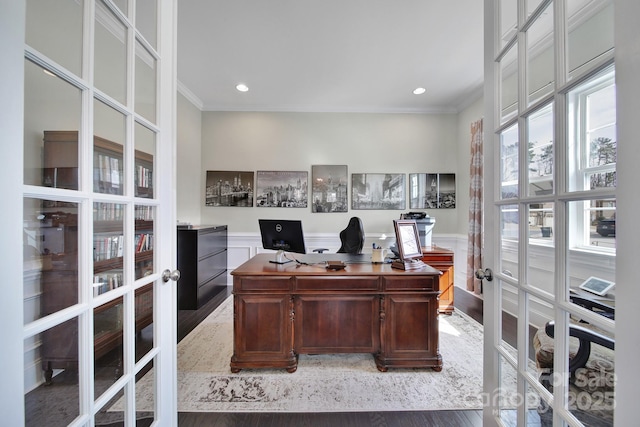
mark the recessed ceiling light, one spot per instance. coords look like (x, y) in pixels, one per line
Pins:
(419, 91)
(242, 87)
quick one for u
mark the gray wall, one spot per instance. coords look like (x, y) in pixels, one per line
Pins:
(366, 143)
(188, 162)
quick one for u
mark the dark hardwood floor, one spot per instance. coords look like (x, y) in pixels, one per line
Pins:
(464, 301)
(351, 419)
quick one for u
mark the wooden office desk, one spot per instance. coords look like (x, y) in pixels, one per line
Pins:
(281, 311)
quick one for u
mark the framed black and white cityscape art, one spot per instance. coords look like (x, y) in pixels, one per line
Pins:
(282, 189)
(432, 190)
(329, 188)
(378, 191)
(229, 188)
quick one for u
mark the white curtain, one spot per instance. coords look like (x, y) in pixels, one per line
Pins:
(474, 247)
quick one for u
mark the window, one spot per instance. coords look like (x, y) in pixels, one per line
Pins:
(592, 161)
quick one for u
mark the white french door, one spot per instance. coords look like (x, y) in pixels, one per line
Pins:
(550, 152)
(93, 118)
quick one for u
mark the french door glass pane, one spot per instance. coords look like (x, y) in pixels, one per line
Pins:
(110, 69)
(541, 250)
(541, 152)
(145, 396)
(532, 5)
(540, 312)
(540, 57)
(50, 154)
(508, 322)
(50, 246)
(541, 223)
(108, 149)
(57, 351)
(108, 344)
(509, 84)
(146, 21)
(590, 32)
(54, 28)
(508, 21)
(145, 83)
(145, 146)
(509, 237)
(509, 163)
(123, 5)
(144, 321)
(538, 410)
(111, 412)
(108, 247)
(509, 398)
(144, 243)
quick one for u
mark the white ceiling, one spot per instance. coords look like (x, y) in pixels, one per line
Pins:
(331, 55)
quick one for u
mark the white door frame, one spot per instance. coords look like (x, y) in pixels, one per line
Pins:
(12, 32)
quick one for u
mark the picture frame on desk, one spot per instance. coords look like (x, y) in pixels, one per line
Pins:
(409, 247)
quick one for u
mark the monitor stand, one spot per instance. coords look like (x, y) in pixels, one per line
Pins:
(280, 258)
(408, 264)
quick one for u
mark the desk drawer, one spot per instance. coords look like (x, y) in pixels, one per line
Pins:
(421, 283)
(262, 283)
(337, 283)
(438, 259)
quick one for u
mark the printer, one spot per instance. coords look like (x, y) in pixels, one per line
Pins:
(425, 225)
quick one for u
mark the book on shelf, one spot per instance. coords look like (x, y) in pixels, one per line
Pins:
(107, 246)
(143, 177)
(144, 213)
(107, 173)
(108, 212)
(144, 242)
(104, 282)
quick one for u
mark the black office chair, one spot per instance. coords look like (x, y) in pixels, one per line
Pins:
(352, 237)
(584, 334)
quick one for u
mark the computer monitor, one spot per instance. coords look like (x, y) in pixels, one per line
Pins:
(282, 235)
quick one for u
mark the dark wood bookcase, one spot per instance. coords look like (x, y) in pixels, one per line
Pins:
(60, 280)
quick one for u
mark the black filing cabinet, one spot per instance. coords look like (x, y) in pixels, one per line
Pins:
(202, 261)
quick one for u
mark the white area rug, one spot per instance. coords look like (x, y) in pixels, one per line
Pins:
(323, 383)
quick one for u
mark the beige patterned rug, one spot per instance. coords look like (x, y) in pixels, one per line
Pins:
(323, 383)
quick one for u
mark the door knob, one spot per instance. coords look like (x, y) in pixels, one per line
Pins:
(170, 275)
(487, 273)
